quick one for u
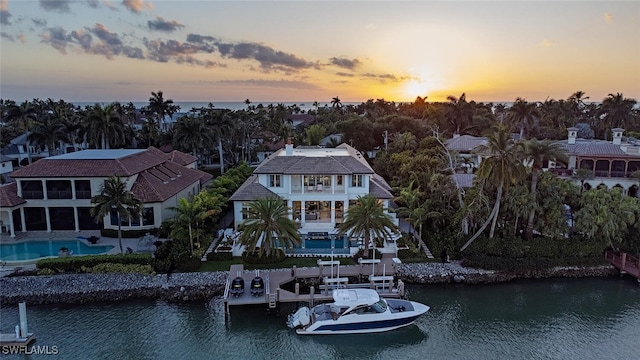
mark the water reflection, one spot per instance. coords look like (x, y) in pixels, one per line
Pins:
(552, 319)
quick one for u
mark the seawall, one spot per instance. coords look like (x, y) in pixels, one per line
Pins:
(181, 287)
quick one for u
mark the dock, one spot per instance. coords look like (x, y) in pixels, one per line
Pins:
(624, 262)
(379, 275)
(12, 340)
(21, 336)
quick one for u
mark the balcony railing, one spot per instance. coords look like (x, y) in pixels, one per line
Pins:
(59, 194)
(83, 194)
(32, 194)
(597, 173)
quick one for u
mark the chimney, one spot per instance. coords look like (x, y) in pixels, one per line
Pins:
(288, 148)
(572, 134)
(617, 135)
(456, 135)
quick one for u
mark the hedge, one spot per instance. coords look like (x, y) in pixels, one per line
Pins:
(275, 257)
(122, 268)
(222, 255)
(76, 263)
(128, 234)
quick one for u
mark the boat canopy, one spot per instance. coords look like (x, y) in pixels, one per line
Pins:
(355, 297)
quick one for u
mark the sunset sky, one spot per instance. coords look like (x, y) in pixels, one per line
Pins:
(288, 51)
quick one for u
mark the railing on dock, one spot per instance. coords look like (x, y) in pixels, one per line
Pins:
(625, 262)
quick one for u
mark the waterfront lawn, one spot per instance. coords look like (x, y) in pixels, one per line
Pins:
(224, 265)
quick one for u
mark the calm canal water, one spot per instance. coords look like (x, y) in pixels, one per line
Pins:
(546, 319)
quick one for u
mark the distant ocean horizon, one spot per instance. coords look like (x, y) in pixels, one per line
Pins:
(186, 106)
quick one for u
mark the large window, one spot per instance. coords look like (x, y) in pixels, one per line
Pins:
(83, 189)
(147, 216)
(275, 180)
(246, 210)
(62, 218)
(356, 180)
(59, 189)
(32, 189)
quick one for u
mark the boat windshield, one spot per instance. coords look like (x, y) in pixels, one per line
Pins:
(380, 306)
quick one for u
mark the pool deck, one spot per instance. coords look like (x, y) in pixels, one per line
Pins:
(8, 268)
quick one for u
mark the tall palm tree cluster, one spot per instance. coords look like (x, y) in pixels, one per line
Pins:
(511, 194)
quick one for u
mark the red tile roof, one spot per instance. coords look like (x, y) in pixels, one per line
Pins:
(123, 166)
(9, 195)
(160, 175)
(181, 158)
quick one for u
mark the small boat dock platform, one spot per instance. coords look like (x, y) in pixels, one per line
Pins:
(12, 340)
(379, 273)
(21, 336)
(624, 262)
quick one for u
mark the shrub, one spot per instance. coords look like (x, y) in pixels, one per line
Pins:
(360, 254)
(75, 263)
(189, 265)
(223, 255)
(276, 256)
(518, 255)
(122, 268)
(46, 272)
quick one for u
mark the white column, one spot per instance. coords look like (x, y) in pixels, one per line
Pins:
(48, 217)
(75, 216)
(45, 196)
(23, 221)
(333, 212)
(73, 190)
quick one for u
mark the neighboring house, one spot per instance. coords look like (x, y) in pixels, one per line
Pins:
(301, 120)
(55, 193)
(22, 152)
(611, 162)
(319, 185)
(328, 140)
(6, 168)
(465, 146)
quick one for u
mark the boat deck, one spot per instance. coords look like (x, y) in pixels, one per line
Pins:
(378, 276)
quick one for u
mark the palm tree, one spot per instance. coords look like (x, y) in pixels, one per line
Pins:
(583, 175)
(24, 115)
(191, 214)
(192, 133)
(114, 197)
(523, 114)
(366, 219)
(336, 103)
(616, 111)
(502, 168)
(537, 153)
(459, 114)
(410, 197)
(104, 126)
(46, 133)
(159, 107)
(221, 123)
(269, 226)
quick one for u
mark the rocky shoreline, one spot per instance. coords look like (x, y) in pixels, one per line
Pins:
(182, 287)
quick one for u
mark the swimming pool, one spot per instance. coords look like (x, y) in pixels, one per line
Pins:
(34, 250)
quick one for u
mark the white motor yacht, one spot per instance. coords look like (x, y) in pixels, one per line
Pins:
(356, 311)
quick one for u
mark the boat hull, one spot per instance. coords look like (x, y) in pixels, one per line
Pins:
(353, 325)
(359, 328)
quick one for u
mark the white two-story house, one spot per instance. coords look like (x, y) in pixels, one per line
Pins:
(319, 185)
